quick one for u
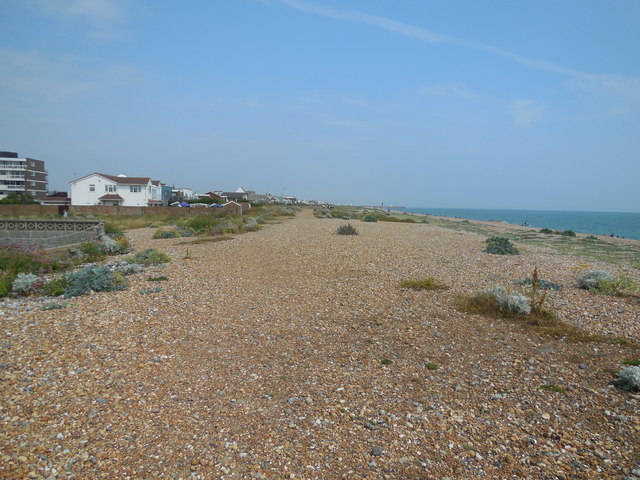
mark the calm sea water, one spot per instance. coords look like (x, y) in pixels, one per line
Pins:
(600, 223)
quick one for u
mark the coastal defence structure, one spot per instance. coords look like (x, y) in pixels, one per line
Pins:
(49, 233)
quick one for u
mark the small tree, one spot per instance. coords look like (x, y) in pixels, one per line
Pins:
(16, 198)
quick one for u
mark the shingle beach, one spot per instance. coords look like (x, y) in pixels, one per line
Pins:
(292, 352)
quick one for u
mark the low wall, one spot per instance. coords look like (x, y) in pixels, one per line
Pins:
(49, 233)
(42, 210)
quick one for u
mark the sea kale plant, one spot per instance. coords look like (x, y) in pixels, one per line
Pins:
(603, 282)
(25, 283)
(498, 301)
(96, 279)
(629, 379)
(500, 246)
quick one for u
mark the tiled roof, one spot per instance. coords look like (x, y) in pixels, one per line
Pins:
(126, 180)
(111, 196)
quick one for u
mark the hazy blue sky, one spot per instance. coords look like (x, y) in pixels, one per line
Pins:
(491, 104)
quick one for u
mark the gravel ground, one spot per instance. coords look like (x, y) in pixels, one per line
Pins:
(292, 353)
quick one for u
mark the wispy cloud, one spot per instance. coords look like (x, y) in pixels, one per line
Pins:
(621, 86)
(60, 78)
(103, 18)
(526, 112)
(451, 89)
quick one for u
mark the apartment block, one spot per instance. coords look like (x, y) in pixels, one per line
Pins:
(22, 175)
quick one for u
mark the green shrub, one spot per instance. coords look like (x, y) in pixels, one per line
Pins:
(369, 218)
(568, 233)
(431, 366)
(6, 282)
(546, 231)
(347, 229)
(55, 287)
(97, 279)
(110, 228)
(150, 256)
(92, 250)
(500, 246)
(162, 234)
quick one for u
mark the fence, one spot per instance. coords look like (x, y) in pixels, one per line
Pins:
(43, 210)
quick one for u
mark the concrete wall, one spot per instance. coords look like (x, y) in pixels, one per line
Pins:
(49, 233)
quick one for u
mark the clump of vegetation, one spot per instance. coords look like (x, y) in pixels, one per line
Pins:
(386, 361)
(55, 287)
(92, 251)
(146, 291)
(635, 362)
(542, 284)
(628, 379)
(224, 227)
(16, 259)
(126, 268)
(565, 233)
(322, 213)
(164, 234)
(347, 229)
(500, 246)
(399, 220)
(428, 283)
(497, 301)
(250, 224)
(25, 283)
(157, 279)
(182, 232)
(370, 218)
(114, 244)
(603, 282)
(551, 387)
(55, 305)
(92, 278)
(431, 366)
(150, 256)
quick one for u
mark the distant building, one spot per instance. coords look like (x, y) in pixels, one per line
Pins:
(240, 195)
(117, 190)
(22, 175)
(57, 199)
(183, 194)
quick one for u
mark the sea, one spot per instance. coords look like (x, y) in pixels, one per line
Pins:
(619, 224)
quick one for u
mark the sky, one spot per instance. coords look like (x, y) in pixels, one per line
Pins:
(532, 104)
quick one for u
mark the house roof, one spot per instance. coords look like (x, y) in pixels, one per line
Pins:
(111, 196)
(126, 180)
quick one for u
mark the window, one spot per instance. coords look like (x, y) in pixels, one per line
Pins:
(110, 188)
(32, 173)
(135, 188)
(92, 188)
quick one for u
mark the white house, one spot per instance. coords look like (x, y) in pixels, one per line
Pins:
(115, 190)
